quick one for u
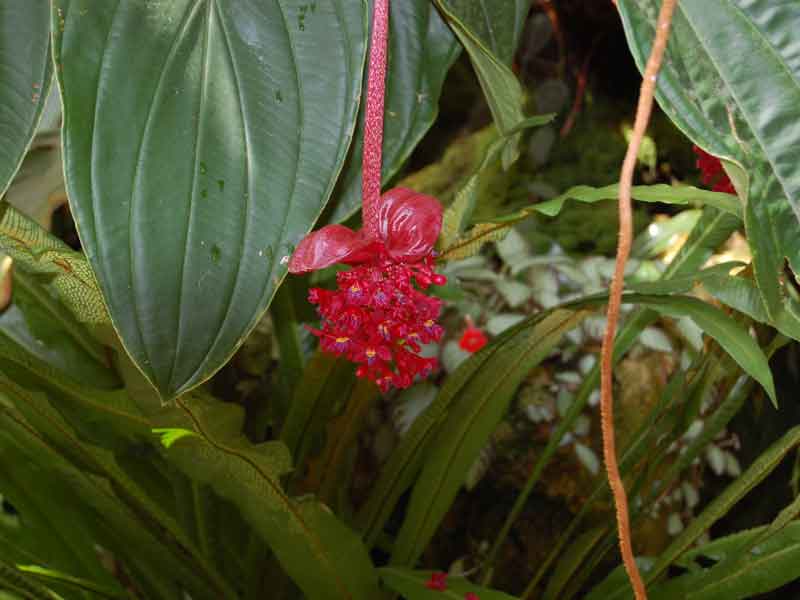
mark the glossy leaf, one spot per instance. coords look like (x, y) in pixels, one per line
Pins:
(26, 72)
(730, 82)
(668, 194)
(421, 50)
(497, 24)
(501, 88)
(237, 119)
(479, 402)
(411, 586)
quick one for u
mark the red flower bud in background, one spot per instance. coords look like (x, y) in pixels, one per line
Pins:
(471, 596)
(712, 172)
(473, 339)
(438, 582)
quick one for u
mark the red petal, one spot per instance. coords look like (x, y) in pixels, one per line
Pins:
(409, 224)
(326, 247)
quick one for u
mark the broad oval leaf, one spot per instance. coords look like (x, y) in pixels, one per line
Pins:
(421, 50)
(201, 142)
(26, 72)
(730, 81)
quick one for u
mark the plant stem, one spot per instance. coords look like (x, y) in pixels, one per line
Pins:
(643, 111)
(373, 119)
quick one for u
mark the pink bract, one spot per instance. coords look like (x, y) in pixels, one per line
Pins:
(379, 316)
(408, 226)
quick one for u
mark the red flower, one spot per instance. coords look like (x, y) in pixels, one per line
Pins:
(471, 596)
(438, 582)
(379, 317)
(712, 173)
(473, 339)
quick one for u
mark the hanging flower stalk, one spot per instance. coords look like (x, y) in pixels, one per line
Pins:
(379, 315)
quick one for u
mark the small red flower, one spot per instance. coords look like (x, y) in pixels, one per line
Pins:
(473, 339)
(712, 173)
(471, 596)
(438, 581)
(379, 316)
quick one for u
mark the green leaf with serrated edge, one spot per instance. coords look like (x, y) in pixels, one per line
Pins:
(421, 50)
(238, 118)
(667, 194)
(324, 558)
(731, 93)
(459, 213)
(411, 586)
(478, 405)
(65, 272)
(766, 462)
(27, 74)
(471, 242)
(501, 88)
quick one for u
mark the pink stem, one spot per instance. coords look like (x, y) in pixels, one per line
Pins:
(373, 126)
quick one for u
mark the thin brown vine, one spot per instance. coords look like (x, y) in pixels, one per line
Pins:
(643, 110)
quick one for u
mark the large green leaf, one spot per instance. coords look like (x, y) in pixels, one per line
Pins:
(421, 50)
(201, 142)
(730, 82)
(25, 75)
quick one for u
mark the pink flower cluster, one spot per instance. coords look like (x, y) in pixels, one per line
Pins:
(378, 317)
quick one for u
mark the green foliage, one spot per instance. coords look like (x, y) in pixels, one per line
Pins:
(202, 140)
(204, 93)
(27, 74)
